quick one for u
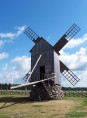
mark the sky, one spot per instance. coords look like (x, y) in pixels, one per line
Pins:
(50, 19)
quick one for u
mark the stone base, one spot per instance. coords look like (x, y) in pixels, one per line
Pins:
(42, 92)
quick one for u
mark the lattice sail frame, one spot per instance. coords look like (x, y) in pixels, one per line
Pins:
(31, 34)
(71, 77)
(68, 74)
(72, 31)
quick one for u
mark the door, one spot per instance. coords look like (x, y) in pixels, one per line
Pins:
(42, 72)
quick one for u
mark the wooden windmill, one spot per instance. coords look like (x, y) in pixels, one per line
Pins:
(46, 66)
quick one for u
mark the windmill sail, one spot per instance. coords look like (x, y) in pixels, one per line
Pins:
(72, 31)
(31, 34)
(60, 44)
(32, 83)
(28, 75)
(34, 67)
(68, 74)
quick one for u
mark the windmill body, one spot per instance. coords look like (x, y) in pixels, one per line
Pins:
(48, 64)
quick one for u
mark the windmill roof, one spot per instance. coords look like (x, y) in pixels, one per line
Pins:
(38, 40)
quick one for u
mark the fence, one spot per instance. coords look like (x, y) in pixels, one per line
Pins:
(75, 93)
(68, 93)
(14, 92)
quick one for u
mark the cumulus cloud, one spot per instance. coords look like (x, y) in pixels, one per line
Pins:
(3, 55)
(22, 62)
(9, 36)
(15, 70)
(2, 42)
(20, 30)
(77, 62)
(76, 42)
(10, 76)
(13, 35)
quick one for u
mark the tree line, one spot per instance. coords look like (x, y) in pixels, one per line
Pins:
(7, 87)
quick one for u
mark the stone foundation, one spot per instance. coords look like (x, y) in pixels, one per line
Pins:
(43, 91)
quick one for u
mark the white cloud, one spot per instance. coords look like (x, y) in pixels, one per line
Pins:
(3, 55)
(22, 62)
(77, 62)
(15, 70)
(13, 35)
(2, 42)
(20, 30)
(10, 76)
(75, 42)
(9, 36)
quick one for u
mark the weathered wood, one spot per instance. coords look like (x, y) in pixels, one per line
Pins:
(49, 59)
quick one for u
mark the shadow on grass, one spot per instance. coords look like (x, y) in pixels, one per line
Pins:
(12, 101)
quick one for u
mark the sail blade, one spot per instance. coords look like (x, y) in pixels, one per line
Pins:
(31, 83)
(68, 74)
(31, 34)
(71, 32)
(34, 67)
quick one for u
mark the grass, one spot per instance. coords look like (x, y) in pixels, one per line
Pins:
(37, 105)
(80, 110)
(76, 115)
(18, 106)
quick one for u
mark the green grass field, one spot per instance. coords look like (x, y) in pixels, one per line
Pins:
(18, 106)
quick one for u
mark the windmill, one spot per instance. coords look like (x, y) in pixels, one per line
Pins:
(46, 66)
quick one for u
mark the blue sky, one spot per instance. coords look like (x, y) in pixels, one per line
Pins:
(49, 19)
